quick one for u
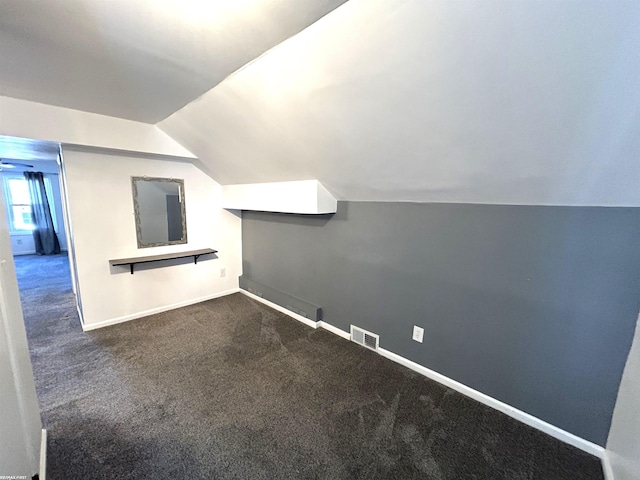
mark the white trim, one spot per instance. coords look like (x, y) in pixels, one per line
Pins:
(513, 412)
(152, 311)
(606, 466)
(42, 473)
(335, 330)
(300, 318)
(80, 313)
(524, 417)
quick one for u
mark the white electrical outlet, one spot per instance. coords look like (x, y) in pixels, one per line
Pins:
(223, 272)
(418, 333)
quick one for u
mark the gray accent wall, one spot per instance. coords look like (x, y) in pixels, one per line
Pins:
(293, 304)
(533, 305)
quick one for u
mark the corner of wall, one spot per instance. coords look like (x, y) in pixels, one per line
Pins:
(622, 454)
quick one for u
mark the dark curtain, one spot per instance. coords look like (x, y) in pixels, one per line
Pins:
(44, 235)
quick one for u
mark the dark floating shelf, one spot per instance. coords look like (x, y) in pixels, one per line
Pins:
(157, 258)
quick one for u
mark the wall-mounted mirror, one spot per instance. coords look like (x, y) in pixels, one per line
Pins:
(160, 211)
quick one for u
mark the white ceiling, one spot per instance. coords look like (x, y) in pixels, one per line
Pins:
(137, 59)
(522, 102)
(489, 101)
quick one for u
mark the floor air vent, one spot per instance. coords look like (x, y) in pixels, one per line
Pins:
(364, 338)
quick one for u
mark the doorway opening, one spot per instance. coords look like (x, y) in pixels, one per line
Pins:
(33, 194)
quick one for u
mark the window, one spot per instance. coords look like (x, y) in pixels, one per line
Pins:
(18, 203)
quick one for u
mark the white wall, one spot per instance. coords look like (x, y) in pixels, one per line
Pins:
(20, 430)
(623, 446)
(20, 118)
(518, 102)
(22, 244)
(102, 219)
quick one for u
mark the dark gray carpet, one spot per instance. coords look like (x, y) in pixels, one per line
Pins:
(230, 389)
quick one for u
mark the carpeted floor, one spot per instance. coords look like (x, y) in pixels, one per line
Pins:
(230, 389)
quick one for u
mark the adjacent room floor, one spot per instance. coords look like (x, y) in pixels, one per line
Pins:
(231, 389)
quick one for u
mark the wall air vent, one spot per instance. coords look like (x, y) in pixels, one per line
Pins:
(364, 338)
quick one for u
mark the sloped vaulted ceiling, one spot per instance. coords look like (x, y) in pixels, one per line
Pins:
(137, 59)
(408, 100)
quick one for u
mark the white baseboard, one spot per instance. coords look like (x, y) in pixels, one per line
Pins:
(335, 330)
(300, 318)
(152, 311)
(606, 466)
(42, 473)
(513, 412)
